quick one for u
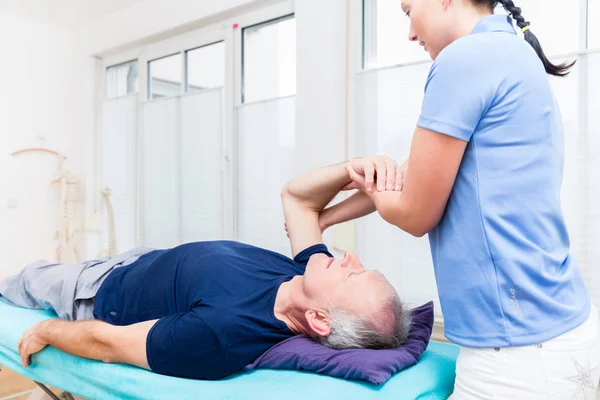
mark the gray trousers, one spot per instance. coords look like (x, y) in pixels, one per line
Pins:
(67, 289)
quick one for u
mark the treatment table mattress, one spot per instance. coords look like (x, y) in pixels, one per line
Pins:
(431, 378)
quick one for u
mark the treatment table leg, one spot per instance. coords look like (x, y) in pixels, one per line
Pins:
(48, 391)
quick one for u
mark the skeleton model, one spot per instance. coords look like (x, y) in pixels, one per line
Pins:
(68, 222)
(112, 240)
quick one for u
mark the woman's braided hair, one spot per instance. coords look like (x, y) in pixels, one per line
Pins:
(515, 13)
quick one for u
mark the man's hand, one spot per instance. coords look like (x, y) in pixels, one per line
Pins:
(31, 342)
(358, 181)
(380, 170)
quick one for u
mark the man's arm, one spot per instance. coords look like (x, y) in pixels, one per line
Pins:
(304, 198)
(95, 340)
(356, 206)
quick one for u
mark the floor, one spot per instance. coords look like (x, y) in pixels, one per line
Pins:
(438, 333)
(16, 387)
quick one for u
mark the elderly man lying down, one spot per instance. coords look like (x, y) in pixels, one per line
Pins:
(205, 310)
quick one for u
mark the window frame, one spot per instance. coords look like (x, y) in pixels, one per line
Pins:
(227, 30)
(358, 25)
(155, 50)
(106, 68)
(367, 54)
(186, 65)
(365, 62)
(178, 43)
(272, 21)
(274, 12)
(588, 22)
(149, 76)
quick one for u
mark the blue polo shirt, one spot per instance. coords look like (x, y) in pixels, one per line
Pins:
(214, 302)
(501, 253)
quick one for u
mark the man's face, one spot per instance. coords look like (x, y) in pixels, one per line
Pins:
(344, 284)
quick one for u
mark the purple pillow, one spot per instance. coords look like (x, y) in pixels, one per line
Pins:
(376, 366)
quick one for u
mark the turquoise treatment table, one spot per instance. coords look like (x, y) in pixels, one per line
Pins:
(431, 378)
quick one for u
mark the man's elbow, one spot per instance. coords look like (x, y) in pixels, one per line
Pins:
(108, 359)
(287, 198)
(285, 191)
(105, 345)
(290, 198)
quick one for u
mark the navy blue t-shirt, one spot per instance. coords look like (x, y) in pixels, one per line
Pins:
(214, 302)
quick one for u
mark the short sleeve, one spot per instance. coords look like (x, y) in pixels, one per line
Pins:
(458, 92)
(183, 345)
(304, 255)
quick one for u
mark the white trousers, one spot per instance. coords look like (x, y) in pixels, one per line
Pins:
(564, 368)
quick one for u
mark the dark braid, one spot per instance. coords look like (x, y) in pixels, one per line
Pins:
(515, 13)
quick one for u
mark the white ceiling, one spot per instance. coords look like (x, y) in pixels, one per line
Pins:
(67, 13)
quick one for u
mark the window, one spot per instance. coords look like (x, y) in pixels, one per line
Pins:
(545, 20)
(122, 79)
(386, 29)
(205, 67)
(164, 77)
(385, 35)
(269, 60)
(593, 26)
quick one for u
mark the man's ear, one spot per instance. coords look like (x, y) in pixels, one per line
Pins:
(318, 321)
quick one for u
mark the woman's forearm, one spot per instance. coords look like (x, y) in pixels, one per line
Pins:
(394, 208)
(354, 207)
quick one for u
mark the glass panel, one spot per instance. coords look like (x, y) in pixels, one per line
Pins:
(269, 68)
(161, 211)
(182, 156)
(266, 153)
(119, 172)
(593, 25)
(385, 34)
(206, 67)
(590, 221)
(122, 79)
(164, 77)
(201, 163)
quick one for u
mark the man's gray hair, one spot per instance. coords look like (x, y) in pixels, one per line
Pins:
(387, 328)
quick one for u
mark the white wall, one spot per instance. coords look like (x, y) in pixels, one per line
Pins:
(593, 18)
(46, 99)
(147, 18)
(321, 82)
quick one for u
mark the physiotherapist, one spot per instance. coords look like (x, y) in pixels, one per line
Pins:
(483, 179)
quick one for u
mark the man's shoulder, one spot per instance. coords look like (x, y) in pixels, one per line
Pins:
(211, 245)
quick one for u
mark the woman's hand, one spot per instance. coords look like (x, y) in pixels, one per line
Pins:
(382, 171)
(403, 171)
